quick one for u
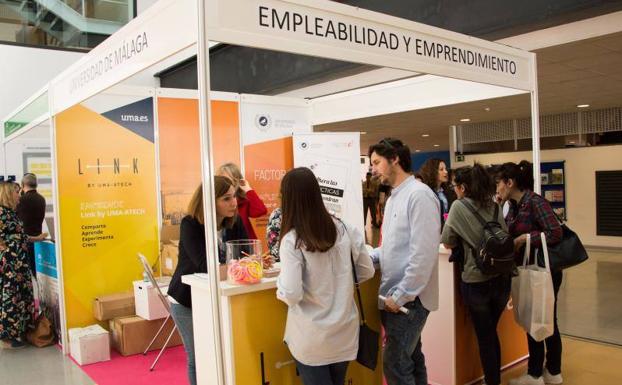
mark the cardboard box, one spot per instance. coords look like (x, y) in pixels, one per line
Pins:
(110, 306)
(168, 233)
(89, 345)
(131, 335)
(148, 305)
(169, 255)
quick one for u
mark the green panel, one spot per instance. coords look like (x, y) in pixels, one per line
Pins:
(32, 111)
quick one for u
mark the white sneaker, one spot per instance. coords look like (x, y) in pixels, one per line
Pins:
(526, 379)
(549, 378)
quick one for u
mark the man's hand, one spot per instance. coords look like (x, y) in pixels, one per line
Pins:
(391, 306)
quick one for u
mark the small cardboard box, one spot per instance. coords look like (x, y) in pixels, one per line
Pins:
(110, 306)
(131, 335)
(169, 232)
(89, 345)
(169, 254)
(148, 304)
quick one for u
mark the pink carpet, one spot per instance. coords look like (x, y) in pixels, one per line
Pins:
(134, 370)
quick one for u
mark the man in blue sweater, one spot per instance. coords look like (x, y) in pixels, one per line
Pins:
(408, 259)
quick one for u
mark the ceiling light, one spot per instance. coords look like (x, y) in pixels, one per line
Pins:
(465, 120)
(583, 105)
(417, 150)
(487, 109)
(363, 132)
(437, 145)
(425, 135)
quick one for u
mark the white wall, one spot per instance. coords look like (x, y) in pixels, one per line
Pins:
(580, 179)
(25, 70)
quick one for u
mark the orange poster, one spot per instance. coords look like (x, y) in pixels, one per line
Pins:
(266, 163)
(180, 151)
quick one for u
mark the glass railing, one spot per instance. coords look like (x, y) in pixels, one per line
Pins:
(78, 24)
(27, 115)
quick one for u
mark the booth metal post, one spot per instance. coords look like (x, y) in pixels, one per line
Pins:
(535, 125)
(57, 229)
(156, 140)
(216, 368)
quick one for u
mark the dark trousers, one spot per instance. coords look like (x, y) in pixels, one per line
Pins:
(403, 359)
(31, 259)
(371, 204)
(486, 302)
(332, 374)
(553, 343)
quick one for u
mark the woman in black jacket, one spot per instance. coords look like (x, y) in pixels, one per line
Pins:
(193, 256)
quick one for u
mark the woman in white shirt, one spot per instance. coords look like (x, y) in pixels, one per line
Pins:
(316, 281)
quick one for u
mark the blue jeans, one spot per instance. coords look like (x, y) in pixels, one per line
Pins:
(183, 319)
(403, 359)
(332, 374)
(486, 302)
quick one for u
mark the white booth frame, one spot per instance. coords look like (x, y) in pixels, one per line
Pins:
(229, 21)
(235, 22)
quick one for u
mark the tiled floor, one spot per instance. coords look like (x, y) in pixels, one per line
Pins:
(590, 299)
(34, 366)
(584, 363)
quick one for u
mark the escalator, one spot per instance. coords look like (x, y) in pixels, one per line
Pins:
(64, 23)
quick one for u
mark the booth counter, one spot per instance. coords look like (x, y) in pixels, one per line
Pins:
(253, 322)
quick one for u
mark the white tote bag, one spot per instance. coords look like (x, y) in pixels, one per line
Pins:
(533, 297)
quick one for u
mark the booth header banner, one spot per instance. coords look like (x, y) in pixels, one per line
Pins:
(341, 32)
(138, 45)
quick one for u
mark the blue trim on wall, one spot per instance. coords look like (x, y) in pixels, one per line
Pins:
(419, 158)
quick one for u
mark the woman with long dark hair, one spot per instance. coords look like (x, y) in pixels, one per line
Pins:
(435, 174)
(484, 295)
(316, 281)
(530, 215)
(193, 255)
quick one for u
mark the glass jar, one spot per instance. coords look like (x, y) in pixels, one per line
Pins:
(244, 263)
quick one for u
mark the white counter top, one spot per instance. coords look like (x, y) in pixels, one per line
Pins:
(201, 281)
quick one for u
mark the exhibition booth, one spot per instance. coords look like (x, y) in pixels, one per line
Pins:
(125, 157)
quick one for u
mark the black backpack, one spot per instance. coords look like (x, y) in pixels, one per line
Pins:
(495, 252)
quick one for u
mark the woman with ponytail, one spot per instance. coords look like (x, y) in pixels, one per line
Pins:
(530, 215)
(485, 295)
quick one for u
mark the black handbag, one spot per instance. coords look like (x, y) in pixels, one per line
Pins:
(566, 253)
(368, 338)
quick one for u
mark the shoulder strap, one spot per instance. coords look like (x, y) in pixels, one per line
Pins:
(356, 280)
(474, 211)
(481, 220)
(358, 290)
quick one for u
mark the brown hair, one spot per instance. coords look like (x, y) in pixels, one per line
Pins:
(232, 170)
(303, 210)
(195, 207)
(478, 184)
(391, 148)
(7, 195)
(429, 172)
(521, 174)
(222, 184)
